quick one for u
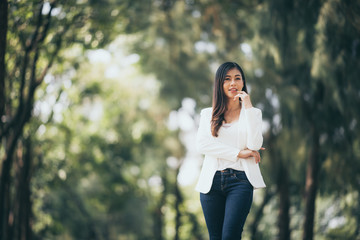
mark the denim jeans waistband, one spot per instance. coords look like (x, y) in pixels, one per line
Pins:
(228, 171)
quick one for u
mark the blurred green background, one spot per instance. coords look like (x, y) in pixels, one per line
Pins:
(100, 102)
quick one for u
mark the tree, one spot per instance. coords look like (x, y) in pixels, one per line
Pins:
(31, 49)
(88, 177)
(305, 84)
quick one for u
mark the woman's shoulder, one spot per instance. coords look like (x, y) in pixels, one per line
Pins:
(206, 111)
(253, 110)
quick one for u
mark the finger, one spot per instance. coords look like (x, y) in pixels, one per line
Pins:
(236, 96)
(244, 94)
(257, 157)
(239, 96)
(262, 148)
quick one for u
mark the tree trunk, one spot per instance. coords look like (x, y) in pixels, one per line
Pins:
(178, 202)
(259, 214)
(283, 185)
(284, 202)
(3, 35)
(311, 187)
(158, 214)
(5, 183)
(357, 231)
(11, 139)
(22, 203)
(195, 229)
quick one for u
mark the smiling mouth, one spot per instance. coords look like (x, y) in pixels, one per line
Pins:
(233, 89)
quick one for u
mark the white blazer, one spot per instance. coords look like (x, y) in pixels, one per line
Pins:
(248, 135)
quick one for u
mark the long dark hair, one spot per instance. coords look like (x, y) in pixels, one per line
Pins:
(219, 98)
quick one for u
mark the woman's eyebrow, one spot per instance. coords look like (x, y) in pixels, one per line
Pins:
(237, 75)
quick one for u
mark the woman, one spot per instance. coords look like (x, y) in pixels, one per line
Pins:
(229, 135)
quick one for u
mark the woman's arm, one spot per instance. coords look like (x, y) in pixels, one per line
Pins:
(254, 131)
(250, 153)
(208, 144)
(253, 120)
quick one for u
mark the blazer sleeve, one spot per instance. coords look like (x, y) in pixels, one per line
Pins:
(210, 145)
(254, 131)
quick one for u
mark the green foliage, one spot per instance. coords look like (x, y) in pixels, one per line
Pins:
(100, 158)
(99, 126)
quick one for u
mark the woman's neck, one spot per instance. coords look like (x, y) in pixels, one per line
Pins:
(232, 111)
(232, 106)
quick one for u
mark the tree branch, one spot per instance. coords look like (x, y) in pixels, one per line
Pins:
(43, 34)
(3, 36)
(51, 61)
(30, 44)
(21, 114)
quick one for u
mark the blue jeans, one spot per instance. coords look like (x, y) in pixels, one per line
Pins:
(227, 204)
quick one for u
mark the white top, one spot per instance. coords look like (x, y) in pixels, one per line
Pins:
(221, 152)
(225, 129)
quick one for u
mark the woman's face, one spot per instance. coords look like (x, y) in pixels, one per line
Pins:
(233, 83)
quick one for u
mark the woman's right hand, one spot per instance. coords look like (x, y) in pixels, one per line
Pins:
(250, 153)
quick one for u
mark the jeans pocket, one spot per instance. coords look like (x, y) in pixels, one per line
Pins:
(240, 177)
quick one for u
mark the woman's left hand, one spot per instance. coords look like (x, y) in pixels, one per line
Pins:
(250, 153)
(245, 98)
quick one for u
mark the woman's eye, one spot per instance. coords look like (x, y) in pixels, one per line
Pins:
(227, 79)
(238, 78)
